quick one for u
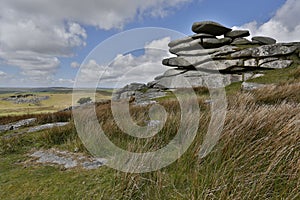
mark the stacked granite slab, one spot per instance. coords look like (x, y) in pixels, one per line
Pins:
(216, 55)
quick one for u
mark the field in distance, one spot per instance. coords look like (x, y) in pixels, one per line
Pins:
(14, 101)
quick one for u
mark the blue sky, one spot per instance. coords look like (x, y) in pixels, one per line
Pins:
(44, 43)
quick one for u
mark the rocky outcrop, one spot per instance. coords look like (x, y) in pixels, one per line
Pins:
(216, 56)
(204, 58)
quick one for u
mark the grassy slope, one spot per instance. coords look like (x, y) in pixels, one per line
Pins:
(258, 156)
(56, 102)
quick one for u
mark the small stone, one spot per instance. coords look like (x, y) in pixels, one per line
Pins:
(209, 27)
(264, 40)
(237, 34)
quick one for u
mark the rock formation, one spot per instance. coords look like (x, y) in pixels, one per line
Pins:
(230, 57)
(217, 56)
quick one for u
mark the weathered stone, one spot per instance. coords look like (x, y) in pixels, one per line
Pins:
(277, 64)
(241, 41)
(195, 44)
(220, 64)
(215, 51)
(264, 40)
(251, 62)
(193, 79)
(251, 75)
(17, 125)
(265, 60)
(202, 35)
(210, 27)
(180, 41)
(237, 34)
(186, 61)
(176, 62)
(246, 86)
(47, 126)
(209, 43)
(264, 51)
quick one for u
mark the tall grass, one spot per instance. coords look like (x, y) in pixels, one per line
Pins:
(257, 156)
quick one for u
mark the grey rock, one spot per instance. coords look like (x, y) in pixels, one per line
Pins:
(237, 34)
(220, 64)
(251, 62)
(46, 157)
(216, 51)
(67, 159)
(241, 41)
(264, 40)
(180, 41)
(186, 61)
(210, 27)
(251, 75)
(277, 64)
(246, 86)
(176, 62)
(98, 162)
(195, 44)
(209, 43)
(265, 51)
(47, 126)
(17, 125)
(202, 35)
(265, 60)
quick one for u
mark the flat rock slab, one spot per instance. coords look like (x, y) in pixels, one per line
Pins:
(277, 64)
(17, 125)
(264, 40)
(209, 27)
(66, 159)
(247, 86)
(209, 43)
(47, 126)
(237, 34)
(241, 41)
(265, 51)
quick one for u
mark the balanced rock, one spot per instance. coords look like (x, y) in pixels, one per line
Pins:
(241, 41)
(210, 27)
(202, 35)
(264, 40)
(180, 41)
(237, 34)
(209, 43)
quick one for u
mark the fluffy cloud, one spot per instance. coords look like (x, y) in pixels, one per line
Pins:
(2, 74)
(128, 68)
(75, 65)
(284, 25)
(34, 34)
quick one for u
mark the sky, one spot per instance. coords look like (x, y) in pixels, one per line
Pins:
(109, 42)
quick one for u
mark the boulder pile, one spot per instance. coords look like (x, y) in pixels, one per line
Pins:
(217, 50)
(217, 56)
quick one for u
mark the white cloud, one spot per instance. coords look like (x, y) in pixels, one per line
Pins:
(75, 65)
(34, 34)
(2, 74)
(128, 68)
(283, 26)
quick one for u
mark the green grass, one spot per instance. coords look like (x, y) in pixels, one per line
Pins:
(257, 156)
(57, 101)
